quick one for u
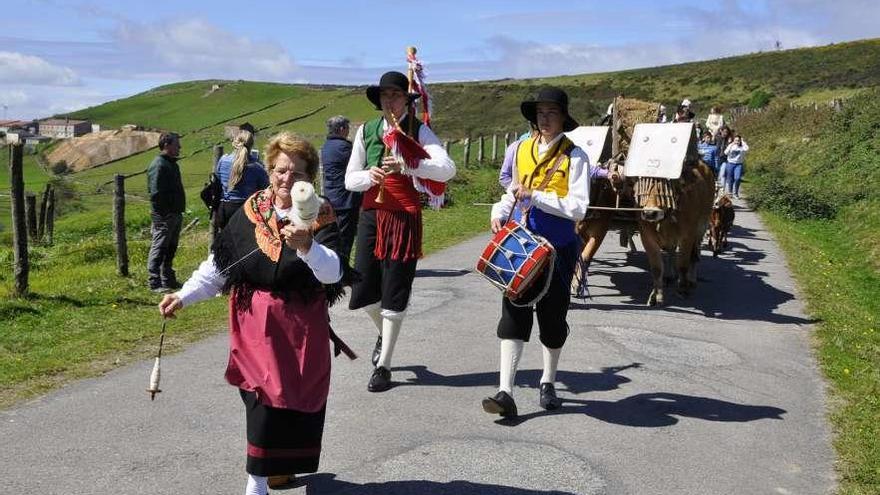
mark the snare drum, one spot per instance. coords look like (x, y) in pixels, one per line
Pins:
(514, 260)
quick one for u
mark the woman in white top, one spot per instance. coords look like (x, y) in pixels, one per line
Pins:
(714, 120)
(736, 161)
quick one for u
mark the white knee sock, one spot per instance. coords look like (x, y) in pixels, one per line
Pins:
(374, 311)
(391, 323)
(511, 351)
(256, 485)
(551, 362)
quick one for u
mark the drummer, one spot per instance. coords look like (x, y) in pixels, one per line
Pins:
(551, 181)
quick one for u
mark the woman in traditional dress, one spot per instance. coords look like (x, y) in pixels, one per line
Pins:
(281, 279)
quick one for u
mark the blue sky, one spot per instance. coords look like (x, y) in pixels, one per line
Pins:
(61, 55)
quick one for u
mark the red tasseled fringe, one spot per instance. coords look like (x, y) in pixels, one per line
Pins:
(398, 235)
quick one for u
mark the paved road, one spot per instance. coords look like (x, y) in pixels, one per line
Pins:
(718, 394)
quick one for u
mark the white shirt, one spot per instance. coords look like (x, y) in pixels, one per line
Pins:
(207, 281)
(573, 206)
(736, 154)
(439, 167)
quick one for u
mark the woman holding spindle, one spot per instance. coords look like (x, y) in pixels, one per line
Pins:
(276, 258)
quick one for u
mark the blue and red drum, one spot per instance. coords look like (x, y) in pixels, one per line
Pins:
(515, 260)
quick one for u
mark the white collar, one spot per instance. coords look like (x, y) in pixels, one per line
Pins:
(542, 148)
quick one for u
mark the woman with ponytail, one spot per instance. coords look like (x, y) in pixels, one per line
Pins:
(241, 174)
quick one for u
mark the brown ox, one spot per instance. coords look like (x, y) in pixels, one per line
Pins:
(720, 222)
(665, 230)
(662, 229)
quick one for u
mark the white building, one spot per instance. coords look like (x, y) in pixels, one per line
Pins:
(64, 128)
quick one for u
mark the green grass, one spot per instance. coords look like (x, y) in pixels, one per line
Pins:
(844, 295)
(814, 176)
(81, 318)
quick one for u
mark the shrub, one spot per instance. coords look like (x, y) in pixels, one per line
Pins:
(759, 99)
(60, 168)
(791, 197)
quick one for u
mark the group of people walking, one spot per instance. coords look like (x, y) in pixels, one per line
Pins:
(282, 277)
(724, 150)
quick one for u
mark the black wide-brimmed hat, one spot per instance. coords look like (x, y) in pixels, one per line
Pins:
(548, 95)
(392, 79)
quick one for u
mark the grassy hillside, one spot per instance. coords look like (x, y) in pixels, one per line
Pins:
(808, 74)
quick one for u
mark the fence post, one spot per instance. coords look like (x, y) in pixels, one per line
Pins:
(467, 150)
(119, 225)
(218, 152)
(19, 232)
(494, 148)
(50, 217)
(30, 212)
(480, 149)
(41, 218)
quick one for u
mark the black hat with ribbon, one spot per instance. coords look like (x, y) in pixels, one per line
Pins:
(392, 79)
(548, 95)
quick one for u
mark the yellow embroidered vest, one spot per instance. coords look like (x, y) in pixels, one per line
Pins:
(531, 169)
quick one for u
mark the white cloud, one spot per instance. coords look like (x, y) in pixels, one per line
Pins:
(18, 68)
(197, 49)
(527, 58)
(13, 98)
(36, 101)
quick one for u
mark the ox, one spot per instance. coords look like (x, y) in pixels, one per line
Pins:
(665, 230)
(720, 222)
(667, 181)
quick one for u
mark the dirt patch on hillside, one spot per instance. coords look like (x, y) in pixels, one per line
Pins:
(98, 148)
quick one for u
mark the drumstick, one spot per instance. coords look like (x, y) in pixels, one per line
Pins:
(515, 201)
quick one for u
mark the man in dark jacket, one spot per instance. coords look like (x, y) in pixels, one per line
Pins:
(334, 159)
(167, 202)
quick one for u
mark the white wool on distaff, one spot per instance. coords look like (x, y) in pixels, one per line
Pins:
(306, 204)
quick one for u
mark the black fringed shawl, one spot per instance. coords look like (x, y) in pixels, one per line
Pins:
(274, 267)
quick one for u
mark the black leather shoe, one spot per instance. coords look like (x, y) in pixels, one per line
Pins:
(380, 381)
(281, 481)
(549, 401)
(377, 351)
(502, 404)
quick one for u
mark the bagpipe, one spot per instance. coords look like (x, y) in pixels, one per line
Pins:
(398, 143)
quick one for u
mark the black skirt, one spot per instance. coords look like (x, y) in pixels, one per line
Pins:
(281, 441)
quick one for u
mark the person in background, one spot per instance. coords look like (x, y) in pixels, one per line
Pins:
(241, 174)
(736, 162)
(504, 176)
(661, 115)
(334, 160)
(714, 121)
(167, 204)
(707, 150)
(722, 140)
(684, 113)
(281, 279)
